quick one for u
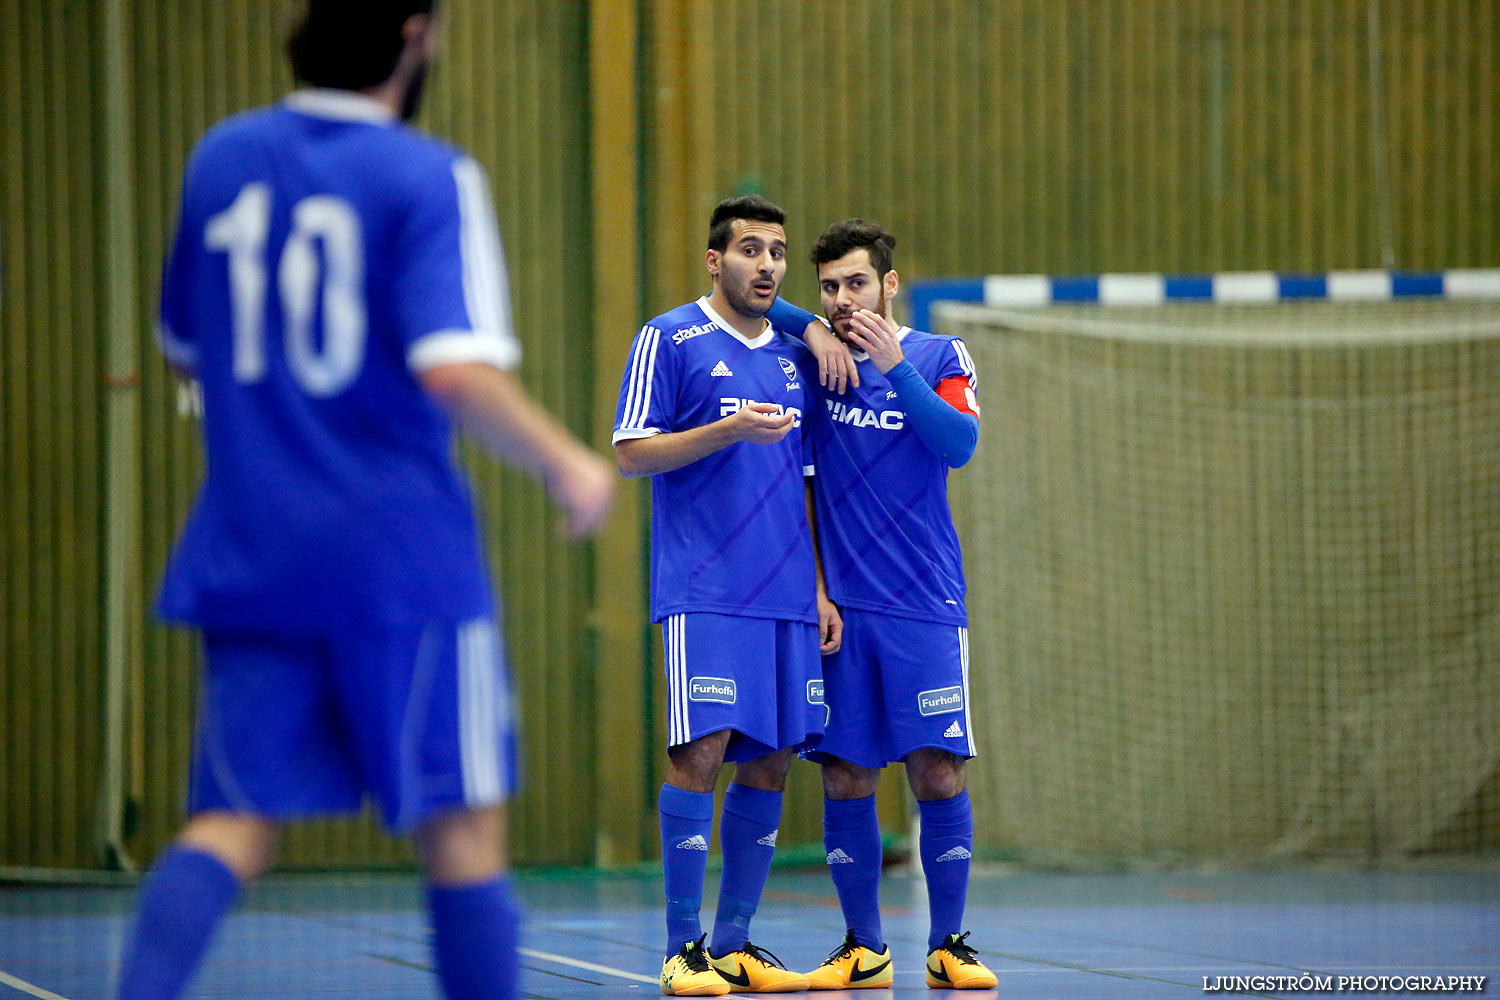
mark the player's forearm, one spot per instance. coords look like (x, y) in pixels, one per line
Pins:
(659, 453)
(790, 318)
(812, 527)
(493, 408)
(950, 434)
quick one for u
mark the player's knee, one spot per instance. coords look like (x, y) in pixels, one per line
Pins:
(464, 846)
(694, 766)
(935, 774)
(843, 780)
(766, 773)
(244, 844)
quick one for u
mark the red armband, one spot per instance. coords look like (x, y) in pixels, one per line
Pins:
(959, 394)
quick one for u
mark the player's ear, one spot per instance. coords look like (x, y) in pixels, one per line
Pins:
(892, 283)
(711, 260)
(421, 29)
(416, 26)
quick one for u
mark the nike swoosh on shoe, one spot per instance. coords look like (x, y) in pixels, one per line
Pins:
(741, 980)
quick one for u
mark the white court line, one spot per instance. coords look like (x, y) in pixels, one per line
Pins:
(27, 988)
(560, 960)
(41, 994)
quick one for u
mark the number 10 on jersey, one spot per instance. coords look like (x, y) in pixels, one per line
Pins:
(242, 231)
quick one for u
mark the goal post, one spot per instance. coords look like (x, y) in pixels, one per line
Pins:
(1233, 553)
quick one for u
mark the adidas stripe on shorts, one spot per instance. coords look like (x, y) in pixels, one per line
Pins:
(896, 685)
(761, 677)
(419, 716)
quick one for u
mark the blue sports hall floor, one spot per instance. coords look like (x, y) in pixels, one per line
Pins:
(1046, 935)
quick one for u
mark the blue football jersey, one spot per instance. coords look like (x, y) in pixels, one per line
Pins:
(729, 532)
(325, 255)
(884, 525)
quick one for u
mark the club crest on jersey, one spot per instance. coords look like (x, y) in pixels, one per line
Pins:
(859, 416)
(940, 701)
(791, 373)
(716, 689)
(815, 692)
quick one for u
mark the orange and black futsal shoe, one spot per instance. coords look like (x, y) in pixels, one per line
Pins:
(688, 974)
(953, 965)
(755, 970)
(852, 966)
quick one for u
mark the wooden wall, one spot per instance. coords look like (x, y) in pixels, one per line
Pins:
(990, 135)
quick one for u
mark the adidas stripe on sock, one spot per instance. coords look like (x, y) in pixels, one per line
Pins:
(851, 836)
(747, 835)
(686, 823)
(946, 846)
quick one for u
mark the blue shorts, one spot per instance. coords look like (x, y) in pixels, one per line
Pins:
(417, 716)
(761, 677)
(896, 685)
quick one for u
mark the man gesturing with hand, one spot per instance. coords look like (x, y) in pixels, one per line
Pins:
(711, 408)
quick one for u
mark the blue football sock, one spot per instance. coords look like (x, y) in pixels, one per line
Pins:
(946, 846)
(851, 835)
(686, 822)
(747, 836)
(184, 898)
(475, 931)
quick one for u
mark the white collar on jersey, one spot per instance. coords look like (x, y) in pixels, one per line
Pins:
(717, 320)
(862, 356)
(340, 105)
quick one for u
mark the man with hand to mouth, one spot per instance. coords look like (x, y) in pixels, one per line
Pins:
(898, 687)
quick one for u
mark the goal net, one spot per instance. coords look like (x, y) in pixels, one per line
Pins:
(1234, 579)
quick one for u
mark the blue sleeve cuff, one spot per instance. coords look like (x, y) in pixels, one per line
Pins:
(789, 318)
(950, 433)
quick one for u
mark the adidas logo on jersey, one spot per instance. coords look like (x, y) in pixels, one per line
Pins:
(769, 840)
(838, 857)
(953, 730)
(694, 843)
(721, 370)
(956, 854)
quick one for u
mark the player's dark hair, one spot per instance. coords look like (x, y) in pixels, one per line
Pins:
(351, 44)
(751, 207)
(853, 234)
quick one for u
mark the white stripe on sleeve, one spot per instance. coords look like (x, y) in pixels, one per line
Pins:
(446, 347)
(486, 286)
(632, 384)
(642, 372)
(966, 363)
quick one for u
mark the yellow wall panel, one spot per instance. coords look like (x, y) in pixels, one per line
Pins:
(1055, 136)
(50, 485)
